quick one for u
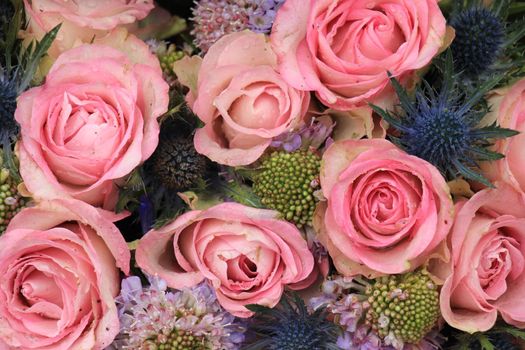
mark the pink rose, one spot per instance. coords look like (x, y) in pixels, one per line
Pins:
(92, 122)
(81, 20)
(243, 100)
(248, 254)
(342, 49)
(59, 265)
(488, 262)
(508, 109)
(386, 212)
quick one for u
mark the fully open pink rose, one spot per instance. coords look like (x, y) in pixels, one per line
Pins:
(488, 262)
(243, 100)
(508, 109)
(342, 49)
(81, 20)
(93, 121)
(387, 212)
(59, 264)
(247, 254)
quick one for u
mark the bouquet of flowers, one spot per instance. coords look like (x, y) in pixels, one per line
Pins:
(262, 174)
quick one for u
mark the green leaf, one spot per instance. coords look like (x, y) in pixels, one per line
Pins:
(516, 32)
(34, 57)
(257, 308)
(485, 343)
(388, 117)
(404, 99)
(517, 333)
(494, 132)
(125, 198)
(480, 93)
(485, 154)
(241, 193)
(12, 28)
(470, 174)
(517, 8)
(501, 8)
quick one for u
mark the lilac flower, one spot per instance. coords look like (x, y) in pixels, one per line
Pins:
(152, 316)
(308, 136)
(262, 15)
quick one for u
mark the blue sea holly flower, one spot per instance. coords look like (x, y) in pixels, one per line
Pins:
(444, 128)
(289, 326)
(487, 39)
(8, 94)
(479, 39)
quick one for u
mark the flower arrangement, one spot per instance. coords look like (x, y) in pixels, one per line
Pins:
(262, 174)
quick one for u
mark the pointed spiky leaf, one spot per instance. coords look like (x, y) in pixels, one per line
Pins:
(484, 154)
(494, 132)
(470, 174)
(404, 99)
(257, 308)
(34, 57)
(388, 117)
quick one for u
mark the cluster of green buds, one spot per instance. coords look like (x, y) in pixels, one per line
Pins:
(168, 55)
(176, 340)
(11, 202)
(287, 183)
(403, 306)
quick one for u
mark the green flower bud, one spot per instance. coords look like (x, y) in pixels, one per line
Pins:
(11, 202)
(404, 305)
(287, 184)
(177, 340)
(167, 57)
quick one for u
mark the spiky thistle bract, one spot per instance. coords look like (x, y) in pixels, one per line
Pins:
(289, 326)
(17, 65)
(444, 128)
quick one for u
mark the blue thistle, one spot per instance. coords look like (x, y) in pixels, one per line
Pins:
(8, 94)
(479, 39)
(290, 326)
(146, 214)
(443, 128)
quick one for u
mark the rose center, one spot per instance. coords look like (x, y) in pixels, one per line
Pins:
(87, 126)
(500, 261)
(258, 107)
(371, 32)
